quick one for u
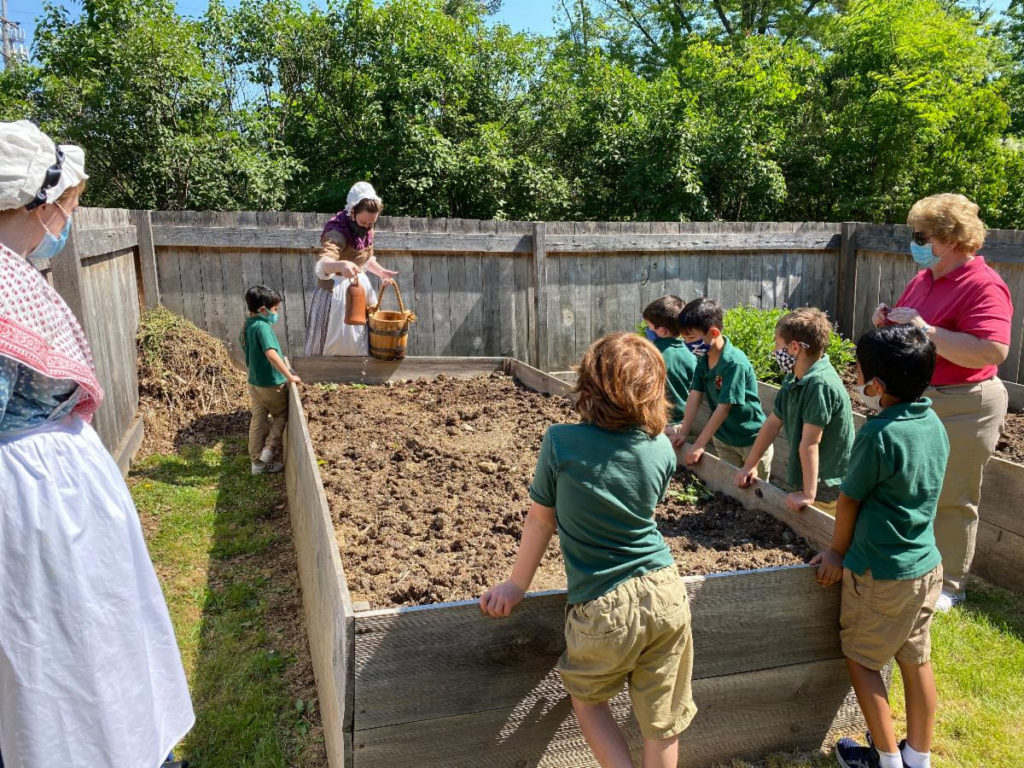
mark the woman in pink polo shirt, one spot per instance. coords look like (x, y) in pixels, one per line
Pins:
(964, 307)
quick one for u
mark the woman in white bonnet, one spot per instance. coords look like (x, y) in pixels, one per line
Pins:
(90, 672)
(346, 251)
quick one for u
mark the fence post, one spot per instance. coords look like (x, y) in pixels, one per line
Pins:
(66, 270)
(143, 222)
(539, 342)
(846, 285)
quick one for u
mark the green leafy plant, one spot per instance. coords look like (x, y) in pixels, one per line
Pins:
(753, 331)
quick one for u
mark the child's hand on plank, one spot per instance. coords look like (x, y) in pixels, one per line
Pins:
(830, 567)
(500, 600)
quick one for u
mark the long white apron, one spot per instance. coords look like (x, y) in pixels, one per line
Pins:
(90, 672)
(342, 339)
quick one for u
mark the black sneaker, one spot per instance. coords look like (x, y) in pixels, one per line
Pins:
(850, 754)
(899, 747)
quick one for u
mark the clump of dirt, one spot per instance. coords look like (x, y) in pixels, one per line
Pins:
(428, 487)
(189, 389)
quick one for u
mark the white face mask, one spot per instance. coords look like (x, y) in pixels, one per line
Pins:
(874, 402)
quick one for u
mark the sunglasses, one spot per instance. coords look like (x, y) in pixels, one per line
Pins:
(920, 238)
(49, 181)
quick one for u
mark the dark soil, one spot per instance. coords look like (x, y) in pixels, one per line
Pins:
(428, 487)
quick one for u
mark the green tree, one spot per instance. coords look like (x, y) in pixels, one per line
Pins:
(910, 103)
(128, 81)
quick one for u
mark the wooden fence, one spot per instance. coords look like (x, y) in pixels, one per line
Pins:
(541, 292)
(536, 291)
(104, 275)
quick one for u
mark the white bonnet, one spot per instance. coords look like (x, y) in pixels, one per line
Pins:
(361, 190)
(26, 153)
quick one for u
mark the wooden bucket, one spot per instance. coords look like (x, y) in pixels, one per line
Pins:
(389, 330)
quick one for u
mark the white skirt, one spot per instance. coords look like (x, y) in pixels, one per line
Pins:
(342, 339)
(90, 672)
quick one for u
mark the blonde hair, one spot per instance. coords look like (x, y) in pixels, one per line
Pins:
(621, 384)
(809, 326)
(79, 189)
(951, 219)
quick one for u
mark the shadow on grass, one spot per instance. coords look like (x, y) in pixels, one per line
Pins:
(1000, 607)
(235, 593)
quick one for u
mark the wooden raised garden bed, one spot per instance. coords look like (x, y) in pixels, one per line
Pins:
(441, 685)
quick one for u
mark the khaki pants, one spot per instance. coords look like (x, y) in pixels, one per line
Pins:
(269, 417)
(973, 417)
(737, 456)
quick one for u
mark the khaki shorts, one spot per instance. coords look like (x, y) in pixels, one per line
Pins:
(886, 618)
(738, 455)
(640, 632)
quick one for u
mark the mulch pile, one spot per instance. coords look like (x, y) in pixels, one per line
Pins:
(189, 389)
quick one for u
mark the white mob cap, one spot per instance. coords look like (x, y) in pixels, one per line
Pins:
(26, 156)
(361, 190)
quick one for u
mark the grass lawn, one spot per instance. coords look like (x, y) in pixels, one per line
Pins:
(221, 542)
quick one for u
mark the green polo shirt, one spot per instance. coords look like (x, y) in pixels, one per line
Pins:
(731, 381)
(896, 470)
(257, 338)
(817, 398)
(680, 364)
(604, 485)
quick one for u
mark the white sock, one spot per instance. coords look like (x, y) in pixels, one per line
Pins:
(889, 759)
(267, 455)
(915, 759)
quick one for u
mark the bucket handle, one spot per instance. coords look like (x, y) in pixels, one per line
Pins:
(380, 297)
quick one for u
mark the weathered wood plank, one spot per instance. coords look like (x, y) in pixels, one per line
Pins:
(846, 279)
(125, 453)
(745, 715)
(999, 556)
(713, 242)
(99, 242)
(147, 259)
(369, 370)
(539, 318)
(536, 379)
(897, 240)
(301, 239)
(325, 596)
(1016, 394)
(742, 621)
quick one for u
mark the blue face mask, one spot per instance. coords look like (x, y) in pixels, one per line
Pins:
(923, 254)
(699, 348)
(51, 244)
(651, 335)
(271, 317)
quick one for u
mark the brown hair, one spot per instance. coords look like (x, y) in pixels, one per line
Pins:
(951, 219)
(368, 205)
(664, 313)
(621, 384)
(809, 326)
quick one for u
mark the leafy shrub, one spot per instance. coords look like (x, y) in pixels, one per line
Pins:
(753, 331)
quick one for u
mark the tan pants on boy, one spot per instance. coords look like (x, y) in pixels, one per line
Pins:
(973, 417)
(269, 418)
(738, 455)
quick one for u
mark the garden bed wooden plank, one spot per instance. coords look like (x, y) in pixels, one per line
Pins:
(810, 522)
(369, 370)
(744, 715)
(415, 662)
(325, 596)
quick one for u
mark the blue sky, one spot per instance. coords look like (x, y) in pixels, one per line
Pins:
(525, 15)
(522, 15)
